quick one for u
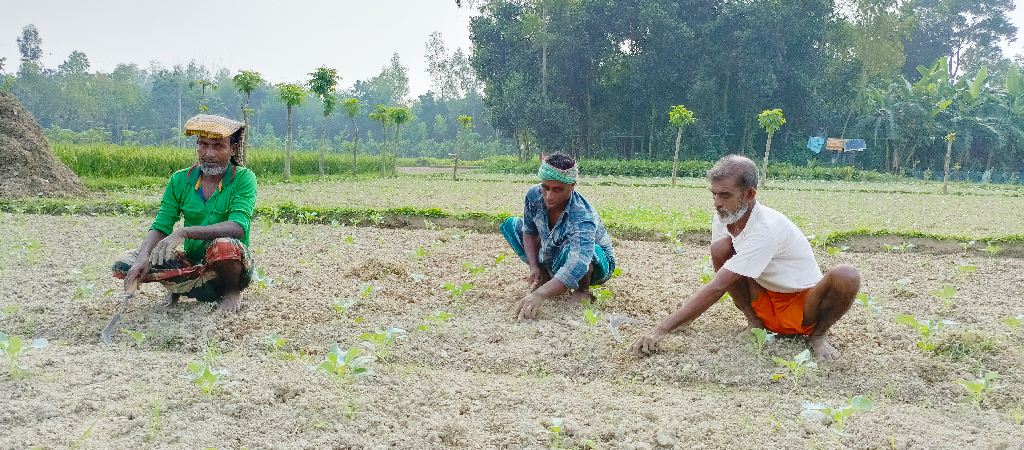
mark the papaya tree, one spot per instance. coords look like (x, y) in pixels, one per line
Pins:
(679, 117)
(322, 85)
(771, 121)
(382, 114)
(291, 95)
(352, 110)
(203, 86)
(399, 116)
(247, 82)
(465, 124)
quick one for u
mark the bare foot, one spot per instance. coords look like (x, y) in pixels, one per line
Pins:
(823, 351)
(750, 326)
(171, 300)
(231, 302)
(581, 295)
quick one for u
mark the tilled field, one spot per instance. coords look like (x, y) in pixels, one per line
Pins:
(481, 379)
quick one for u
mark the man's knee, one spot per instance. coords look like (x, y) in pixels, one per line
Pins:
(845, 279)
(721, 251)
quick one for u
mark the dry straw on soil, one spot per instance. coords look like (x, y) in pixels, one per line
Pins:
(27, 166)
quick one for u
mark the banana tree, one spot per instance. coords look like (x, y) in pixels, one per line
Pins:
(771, 121)
(679, 117)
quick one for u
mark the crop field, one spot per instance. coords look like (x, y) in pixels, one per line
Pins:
(933, 351)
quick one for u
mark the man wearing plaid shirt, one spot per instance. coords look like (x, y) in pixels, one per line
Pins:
(560, 236)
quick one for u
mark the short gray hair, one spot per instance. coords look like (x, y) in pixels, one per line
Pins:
(738, 167)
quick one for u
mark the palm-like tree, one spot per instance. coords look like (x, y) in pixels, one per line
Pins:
(291, 95)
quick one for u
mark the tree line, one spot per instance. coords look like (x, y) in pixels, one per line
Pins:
(597, 78)
(148, 106)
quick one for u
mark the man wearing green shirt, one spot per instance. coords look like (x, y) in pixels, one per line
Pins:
(216, 198)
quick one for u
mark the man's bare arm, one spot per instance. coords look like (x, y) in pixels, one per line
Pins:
(165, 248)
(699, 302)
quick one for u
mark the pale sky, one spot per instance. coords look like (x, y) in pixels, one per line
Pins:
(286, 39)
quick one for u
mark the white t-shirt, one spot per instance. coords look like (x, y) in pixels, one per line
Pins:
(771, 250)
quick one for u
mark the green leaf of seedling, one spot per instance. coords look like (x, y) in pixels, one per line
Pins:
(9, 309)
(971, 386)
(590, 317)
(327, 367)
(109, 291)
(947, 292)
(832, 251)
(138, 337)
(619, 272)
(861, 403)
(424, 327)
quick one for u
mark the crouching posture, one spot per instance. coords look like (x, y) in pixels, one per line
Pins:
(766, 264)
(560, 236)
(216, 198)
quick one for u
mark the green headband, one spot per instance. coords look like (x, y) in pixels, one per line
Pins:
(567, 176)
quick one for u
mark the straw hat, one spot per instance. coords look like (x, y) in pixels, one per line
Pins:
(209, 126)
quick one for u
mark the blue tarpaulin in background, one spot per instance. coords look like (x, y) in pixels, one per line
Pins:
(855, 145)
(815, 144)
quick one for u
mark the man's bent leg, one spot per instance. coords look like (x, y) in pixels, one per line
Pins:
(744, 291)
(230, 274)
(829, 300)
(582, 293)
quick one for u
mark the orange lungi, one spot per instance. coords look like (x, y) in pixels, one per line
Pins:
(782, 313)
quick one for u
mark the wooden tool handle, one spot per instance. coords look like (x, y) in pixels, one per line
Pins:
(132, 286)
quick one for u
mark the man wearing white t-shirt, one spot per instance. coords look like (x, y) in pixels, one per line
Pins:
(766, 264)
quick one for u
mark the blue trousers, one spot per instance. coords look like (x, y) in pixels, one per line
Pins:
(512, 229)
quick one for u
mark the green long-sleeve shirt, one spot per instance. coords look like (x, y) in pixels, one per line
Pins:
(234, 200)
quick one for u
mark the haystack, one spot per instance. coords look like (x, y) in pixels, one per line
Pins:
(27, 166)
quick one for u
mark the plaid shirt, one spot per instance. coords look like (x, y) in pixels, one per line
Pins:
(579, 227)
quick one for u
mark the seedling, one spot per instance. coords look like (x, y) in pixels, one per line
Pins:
(901, 287)
(275, 343)
(840, 415)
(555, 433)
(416, 277)
(14, 348)
(205, 376)
(418, 253)
(925, 331)
(349, 239)
(965, 270)
(457, 291)
(83, 291)
(380, 342)
(1017, 413)
(870, 304)
(601, 297)
(438, 316)
(590, 316)
(677, 245)
(346, 365)
(262, 280)
(946, 294)
(800, 363)
(833, 251)
(500, 259)
(8, 310)
(366, 289)
(966, 245)
(619, 272)
(899, 248)
(759, 337)
(139, 337)
(1013, 323)
(992, 249)
(978, 389)
(474, 269)
(342, 305)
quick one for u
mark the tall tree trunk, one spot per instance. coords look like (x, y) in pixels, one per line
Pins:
(355, 149)
(650, 138)
(949, 153)
(288, 149)
(245, 135)
(455, 167)
(394, 155)
(323, 143)
(675, 161)
(544, 53)
(384, 153)
(764, 166)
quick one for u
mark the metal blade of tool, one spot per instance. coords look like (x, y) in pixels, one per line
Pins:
(615, 320)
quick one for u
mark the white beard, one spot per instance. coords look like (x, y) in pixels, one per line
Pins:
(214, 171)
(734, 216)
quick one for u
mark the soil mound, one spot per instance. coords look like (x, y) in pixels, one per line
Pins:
(27, 166)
